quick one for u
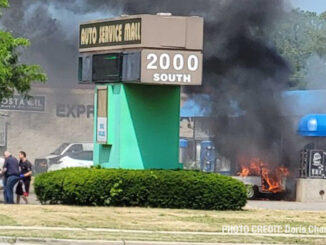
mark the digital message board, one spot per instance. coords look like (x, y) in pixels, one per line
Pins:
(106, 67)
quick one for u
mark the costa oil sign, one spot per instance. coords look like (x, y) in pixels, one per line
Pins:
(21, 103)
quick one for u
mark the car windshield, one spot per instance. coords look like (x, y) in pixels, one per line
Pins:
(83, 155)
(60, 149)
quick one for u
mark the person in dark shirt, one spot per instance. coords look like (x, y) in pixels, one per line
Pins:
(25, 167)
(12, 176)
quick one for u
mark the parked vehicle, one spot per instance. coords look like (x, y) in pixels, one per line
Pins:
(79, 159)
(42, 164)
(255, 187)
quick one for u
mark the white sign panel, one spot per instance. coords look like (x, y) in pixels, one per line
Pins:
(102, 129)
(171, 67)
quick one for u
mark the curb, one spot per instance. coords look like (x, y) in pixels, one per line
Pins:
(220, 233)
(50, 241)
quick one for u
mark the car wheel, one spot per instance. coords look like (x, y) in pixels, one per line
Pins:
(252, 192)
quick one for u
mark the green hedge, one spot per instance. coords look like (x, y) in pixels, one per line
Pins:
(142, 188)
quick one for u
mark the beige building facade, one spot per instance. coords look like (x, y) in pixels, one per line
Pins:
(51, 117)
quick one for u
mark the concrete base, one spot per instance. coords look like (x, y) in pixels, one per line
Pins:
(311, 190)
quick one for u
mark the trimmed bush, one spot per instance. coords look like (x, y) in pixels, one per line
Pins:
(142, 188)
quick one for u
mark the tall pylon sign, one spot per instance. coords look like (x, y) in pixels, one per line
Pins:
(139, 64)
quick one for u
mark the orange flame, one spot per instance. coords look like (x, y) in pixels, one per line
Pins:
(272, 179)
(244, 172)
(252, 169)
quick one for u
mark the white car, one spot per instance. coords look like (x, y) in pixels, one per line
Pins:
(43, 164)
(82, 159)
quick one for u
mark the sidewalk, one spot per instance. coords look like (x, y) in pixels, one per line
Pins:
(286, 205)
(35, 241)
(121, 231)
(32, 199)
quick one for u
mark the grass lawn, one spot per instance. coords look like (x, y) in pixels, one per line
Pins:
(155, 220)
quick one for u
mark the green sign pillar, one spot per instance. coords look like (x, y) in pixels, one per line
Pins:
(139, 64)
(142, 127)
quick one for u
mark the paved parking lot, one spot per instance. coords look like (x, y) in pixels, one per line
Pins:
(286, 205)
(32, 197)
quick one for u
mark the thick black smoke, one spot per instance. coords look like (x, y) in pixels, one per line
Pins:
(245, 77)
(52, 27)
(243, 73)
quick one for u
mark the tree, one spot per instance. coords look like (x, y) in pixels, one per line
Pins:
(298, 36)
(14, 75)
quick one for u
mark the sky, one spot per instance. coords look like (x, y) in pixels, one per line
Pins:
(318, 6)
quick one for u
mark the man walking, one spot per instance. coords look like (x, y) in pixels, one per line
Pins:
(11, 171)
(25, 166)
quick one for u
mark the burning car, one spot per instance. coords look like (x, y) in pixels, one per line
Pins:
(42, 164)
(261, 177)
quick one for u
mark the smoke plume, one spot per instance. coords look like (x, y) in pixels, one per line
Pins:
(243, 73)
